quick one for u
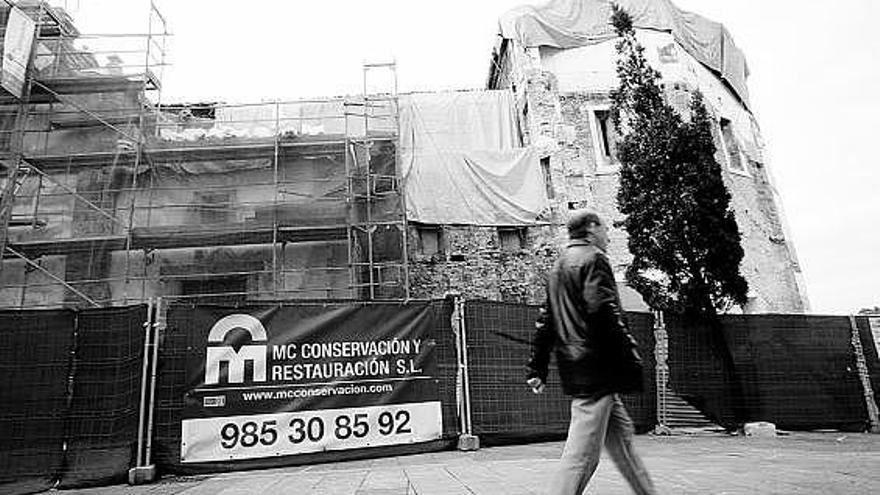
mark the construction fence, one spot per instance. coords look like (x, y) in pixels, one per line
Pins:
(799, 372)
(89, 394)
(70, 396)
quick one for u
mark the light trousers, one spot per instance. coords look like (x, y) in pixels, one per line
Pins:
(594, 423)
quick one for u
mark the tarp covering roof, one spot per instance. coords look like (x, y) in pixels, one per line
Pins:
(574, 23)
(462, 161)
(461, 153)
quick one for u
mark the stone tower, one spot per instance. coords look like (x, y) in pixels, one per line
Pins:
(559, 61)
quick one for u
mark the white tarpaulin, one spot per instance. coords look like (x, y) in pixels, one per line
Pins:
(17, 44)
(574, 23)
(462, 163)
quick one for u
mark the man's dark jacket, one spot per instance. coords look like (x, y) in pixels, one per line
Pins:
(581, 321)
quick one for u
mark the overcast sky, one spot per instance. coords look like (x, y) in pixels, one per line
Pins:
(815, 78)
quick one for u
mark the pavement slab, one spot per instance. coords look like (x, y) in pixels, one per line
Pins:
(798, 463)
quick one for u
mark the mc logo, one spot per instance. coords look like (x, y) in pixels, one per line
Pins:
(236, 360)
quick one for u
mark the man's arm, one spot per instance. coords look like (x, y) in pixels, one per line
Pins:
(601, 300)
(542, 344)
(603, 315)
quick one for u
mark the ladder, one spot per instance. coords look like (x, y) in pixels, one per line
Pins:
(370, 121)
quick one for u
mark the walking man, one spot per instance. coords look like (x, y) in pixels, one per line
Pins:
(596, 357)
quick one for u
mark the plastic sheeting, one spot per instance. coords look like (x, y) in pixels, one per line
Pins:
(575, 23)
(462, 164)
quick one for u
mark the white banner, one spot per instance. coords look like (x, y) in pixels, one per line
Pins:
(289, 433)
(17, 45)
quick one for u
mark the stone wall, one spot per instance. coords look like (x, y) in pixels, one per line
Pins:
(768, 264)
(473, 261)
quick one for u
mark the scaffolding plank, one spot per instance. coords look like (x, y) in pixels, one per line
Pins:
(173, 151)
(36, 249)
(185, 236)
(35, 98)
(158, 151)
(90, 84)
(89, 122)
(181, 237)
(311, 234)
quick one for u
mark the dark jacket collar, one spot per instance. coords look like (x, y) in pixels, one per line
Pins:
(580, 242)
(583, 242)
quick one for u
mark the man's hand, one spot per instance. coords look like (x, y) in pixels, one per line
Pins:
(536, 384)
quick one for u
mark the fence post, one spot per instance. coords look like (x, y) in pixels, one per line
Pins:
(142, 411)
(466, 439)
(864, 377)
(144, 472)
(661, 373)
(159, 325)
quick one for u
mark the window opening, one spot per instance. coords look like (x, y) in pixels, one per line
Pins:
(602, 117)
(548, 177)
(736, 159)
(512, 239)
(216, 290)
(430, 240)
(603, 134)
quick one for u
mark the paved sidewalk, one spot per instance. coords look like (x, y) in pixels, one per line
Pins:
(800, 463)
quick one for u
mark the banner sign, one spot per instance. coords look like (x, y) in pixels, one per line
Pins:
(273, 381)
(17, 44)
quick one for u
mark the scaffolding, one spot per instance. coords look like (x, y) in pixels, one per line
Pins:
(111, 197)
(377, 233)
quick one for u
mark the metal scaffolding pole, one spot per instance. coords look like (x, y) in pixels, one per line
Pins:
(129, 226)
(275, 199)
(16, 147)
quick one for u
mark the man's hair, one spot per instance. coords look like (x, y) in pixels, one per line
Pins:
(581, 222)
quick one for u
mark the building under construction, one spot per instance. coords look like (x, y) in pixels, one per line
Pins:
(111, 197)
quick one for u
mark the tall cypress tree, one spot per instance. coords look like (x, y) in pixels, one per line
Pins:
(682, 232)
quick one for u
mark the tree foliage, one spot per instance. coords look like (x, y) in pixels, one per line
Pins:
(682, 232)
